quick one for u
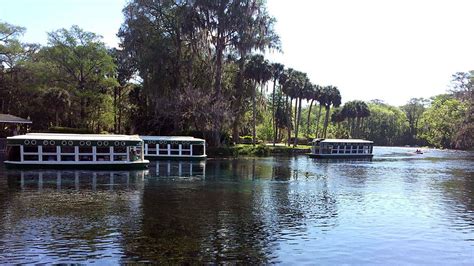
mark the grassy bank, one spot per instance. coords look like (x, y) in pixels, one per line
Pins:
(258, 150)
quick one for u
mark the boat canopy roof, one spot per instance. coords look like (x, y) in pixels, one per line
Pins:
(11, 119)
(62, 139)
(171, 139)
(343, 141)
(64, 136)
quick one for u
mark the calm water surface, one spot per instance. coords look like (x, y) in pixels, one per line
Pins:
(399, 208)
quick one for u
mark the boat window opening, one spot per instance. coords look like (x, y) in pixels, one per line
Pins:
(30, 148)
(67, 149)
(50, 158)
(198, 149)
(174, 149)
(103, 158)
(85, 149)
(354, 149)
(151, 148)
(68, 158)
(85, 158)
(120, 158)
(103, 150)
(347, 149)
(14, 153)
(30, 157)
(49, 149)
(185, 149)
(120, 150)
(163, 149)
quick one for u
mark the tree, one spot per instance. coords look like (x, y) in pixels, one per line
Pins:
(333, 99)
(386, 124)
(83, 63)
(277, 71)
(414, 109)
(60, 99)
(13, 55)
(313, 95)
(441, 121)
(258, 70)
(323, 98)
(303, 86)
(463, 90)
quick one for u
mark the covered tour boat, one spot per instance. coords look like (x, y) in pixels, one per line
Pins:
(171, 147)
(84, 151)
(341, 148)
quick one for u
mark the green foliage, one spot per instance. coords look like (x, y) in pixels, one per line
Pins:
(385, 125)
(441, 121)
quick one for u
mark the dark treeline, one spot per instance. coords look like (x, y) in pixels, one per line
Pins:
(197, 68)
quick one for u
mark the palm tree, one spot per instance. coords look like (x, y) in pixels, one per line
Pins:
(349, 112)
(322, 99)
(312, 95)
(334, 99)
(355, 112)
(277, 71)
(303, 86)
(284, 81)
(258, 71)
(362, 111)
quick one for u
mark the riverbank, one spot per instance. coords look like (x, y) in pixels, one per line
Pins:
(258, 150)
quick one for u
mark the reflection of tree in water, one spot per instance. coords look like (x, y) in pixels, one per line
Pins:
(189, 221)
(459, 195)
(3, 198)
(295, 205)
(62, 222)
(225, 218)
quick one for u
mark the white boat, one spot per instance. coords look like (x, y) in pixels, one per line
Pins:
(341, 148)
(90, 151)
(174, 147)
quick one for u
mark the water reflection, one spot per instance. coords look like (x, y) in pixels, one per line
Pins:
(173, 168)
(246, 210)
(76, 180)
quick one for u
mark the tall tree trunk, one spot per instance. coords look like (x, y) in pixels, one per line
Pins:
(309, 118)
(238, 99)
(288, 110)
(326, 120)
(295, 143)
(115, 110)
(358, 127)
(254, 115)
(218, 77)
(317, 120)
(273, 114)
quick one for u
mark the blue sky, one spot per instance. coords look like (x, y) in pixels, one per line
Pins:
(391, 50)
(103, 17)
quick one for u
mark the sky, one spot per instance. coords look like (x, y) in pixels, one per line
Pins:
(391, 50)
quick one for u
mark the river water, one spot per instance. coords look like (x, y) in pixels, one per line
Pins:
(399, 208)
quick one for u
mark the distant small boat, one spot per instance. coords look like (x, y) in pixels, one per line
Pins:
(419, 152)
